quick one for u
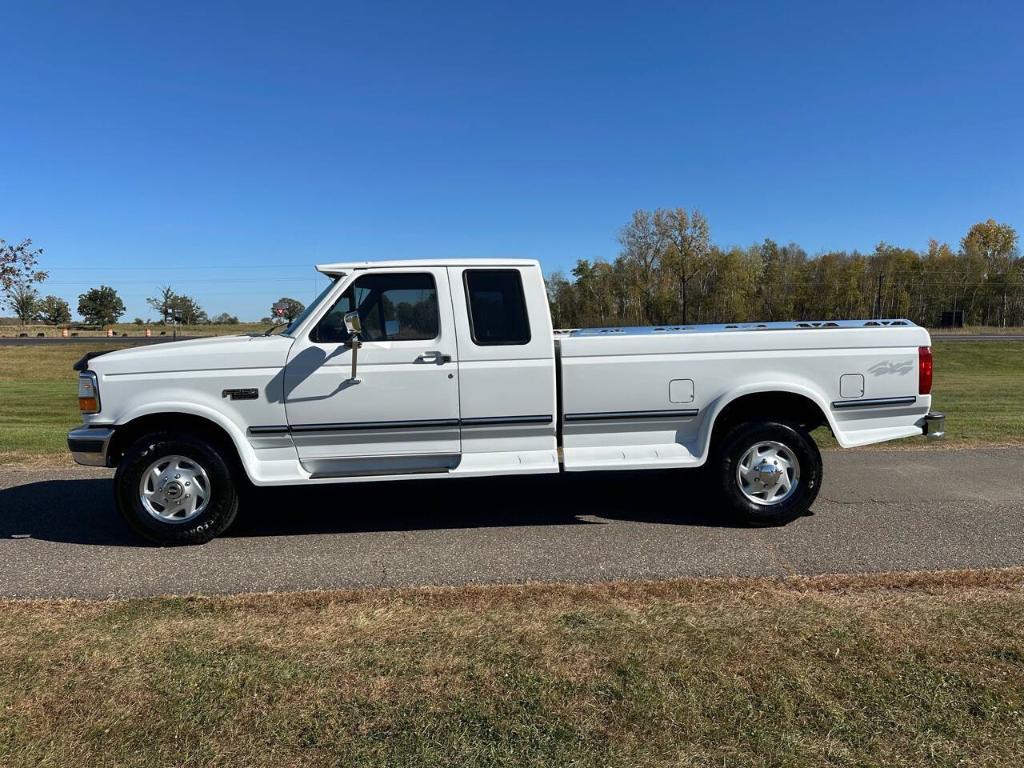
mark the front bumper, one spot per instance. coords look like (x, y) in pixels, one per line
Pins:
(89, 445)
(934, 425)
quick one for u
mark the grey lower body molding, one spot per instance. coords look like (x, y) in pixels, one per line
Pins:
(878, 402)
(679, 413)
(382, 466)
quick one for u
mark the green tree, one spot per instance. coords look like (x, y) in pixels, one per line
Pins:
(668, 271)
(731, 289)
(561, 300)
(778, 281)
(188, 310)
(687, 257)
(292, 308)
(599, 292)
(24, 300)
(941, 280)
(644, 242)
(163, 303)
(173, 305)
(53, 310)
(995, 245)
(18, 273)
(100, 306)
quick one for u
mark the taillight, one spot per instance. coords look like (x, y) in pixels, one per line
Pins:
(924, 370)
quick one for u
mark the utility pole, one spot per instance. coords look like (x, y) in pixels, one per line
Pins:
(878, 299)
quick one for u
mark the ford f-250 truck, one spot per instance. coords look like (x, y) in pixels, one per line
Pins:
(446, 369)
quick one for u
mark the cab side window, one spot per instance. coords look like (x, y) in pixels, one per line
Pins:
(497, 307)
(398, 306)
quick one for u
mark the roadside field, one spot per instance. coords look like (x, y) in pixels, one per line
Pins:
(132, 329)
(978, 385)
(977, 330)
(39, 393)
(912, 669)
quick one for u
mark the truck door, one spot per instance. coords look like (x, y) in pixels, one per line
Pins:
(507, 368)
(400, 415)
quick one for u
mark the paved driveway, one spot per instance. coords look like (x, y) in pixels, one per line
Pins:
(880, 510)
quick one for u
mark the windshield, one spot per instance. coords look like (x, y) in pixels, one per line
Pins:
(294, 324)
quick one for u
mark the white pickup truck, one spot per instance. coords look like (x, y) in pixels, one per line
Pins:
(431, 369)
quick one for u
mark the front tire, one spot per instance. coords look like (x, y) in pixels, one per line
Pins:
(768, 472)
(176, 489)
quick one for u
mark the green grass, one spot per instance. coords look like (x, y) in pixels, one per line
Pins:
(905, 670)
(980, 388)
(978, 330)
(38, 390)
(977, 384)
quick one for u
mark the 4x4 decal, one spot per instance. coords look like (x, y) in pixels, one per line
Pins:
(892, 368)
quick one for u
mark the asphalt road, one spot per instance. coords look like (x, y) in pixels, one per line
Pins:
(60, 535)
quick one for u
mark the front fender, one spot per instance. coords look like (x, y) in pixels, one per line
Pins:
(171, 407)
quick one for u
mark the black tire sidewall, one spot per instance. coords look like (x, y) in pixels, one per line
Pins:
(219, 513)
(738, 441)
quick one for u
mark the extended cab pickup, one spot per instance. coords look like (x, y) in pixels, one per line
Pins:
(431, 369)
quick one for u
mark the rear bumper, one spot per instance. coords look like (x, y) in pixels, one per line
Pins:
(933, 425)
(89, 445)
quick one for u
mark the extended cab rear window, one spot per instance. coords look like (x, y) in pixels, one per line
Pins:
(398, 306)
(497, 307)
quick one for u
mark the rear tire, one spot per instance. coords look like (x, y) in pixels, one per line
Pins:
(175, 489)
(767, 472)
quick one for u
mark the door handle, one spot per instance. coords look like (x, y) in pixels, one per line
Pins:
(434, 356)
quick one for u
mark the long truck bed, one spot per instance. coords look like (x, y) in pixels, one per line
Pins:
(647, 397)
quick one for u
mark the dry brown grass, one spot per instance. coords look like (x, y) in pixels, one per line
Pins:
(909, 669)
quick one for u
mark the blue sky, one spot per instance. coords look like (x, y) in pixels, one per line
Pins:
(224, 148)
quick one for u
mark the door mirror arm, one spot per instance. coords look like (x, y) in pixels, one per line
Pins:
(353, 325)
(354, 343)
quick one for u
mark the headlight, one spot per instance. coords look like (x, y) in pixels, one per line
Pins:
(88, 392)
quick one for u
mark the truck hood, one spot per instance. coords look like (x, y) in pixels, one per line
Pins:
(212, 354)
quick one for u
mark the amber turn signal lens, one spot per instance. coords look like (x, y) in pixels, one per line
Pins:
(88, 392)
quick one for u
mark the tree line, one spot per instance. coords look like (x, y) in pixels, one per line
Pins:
(19, 274)
(669, 272)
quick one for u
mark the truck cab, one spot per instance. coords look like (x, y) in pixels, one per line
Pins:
(435, 369)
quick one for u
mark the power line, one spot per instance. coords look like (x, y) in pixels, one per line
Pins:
(98, 268)
(156, 283)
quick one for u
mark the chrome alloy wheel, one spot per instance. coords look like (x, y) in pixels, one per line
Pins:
(174, 489)
(768, 473)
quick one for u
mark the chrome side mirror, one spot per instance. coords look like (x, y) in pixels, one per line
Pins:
(354, 326)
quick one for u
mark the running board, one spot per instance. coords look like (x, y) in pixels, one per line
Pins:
(382, 466)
